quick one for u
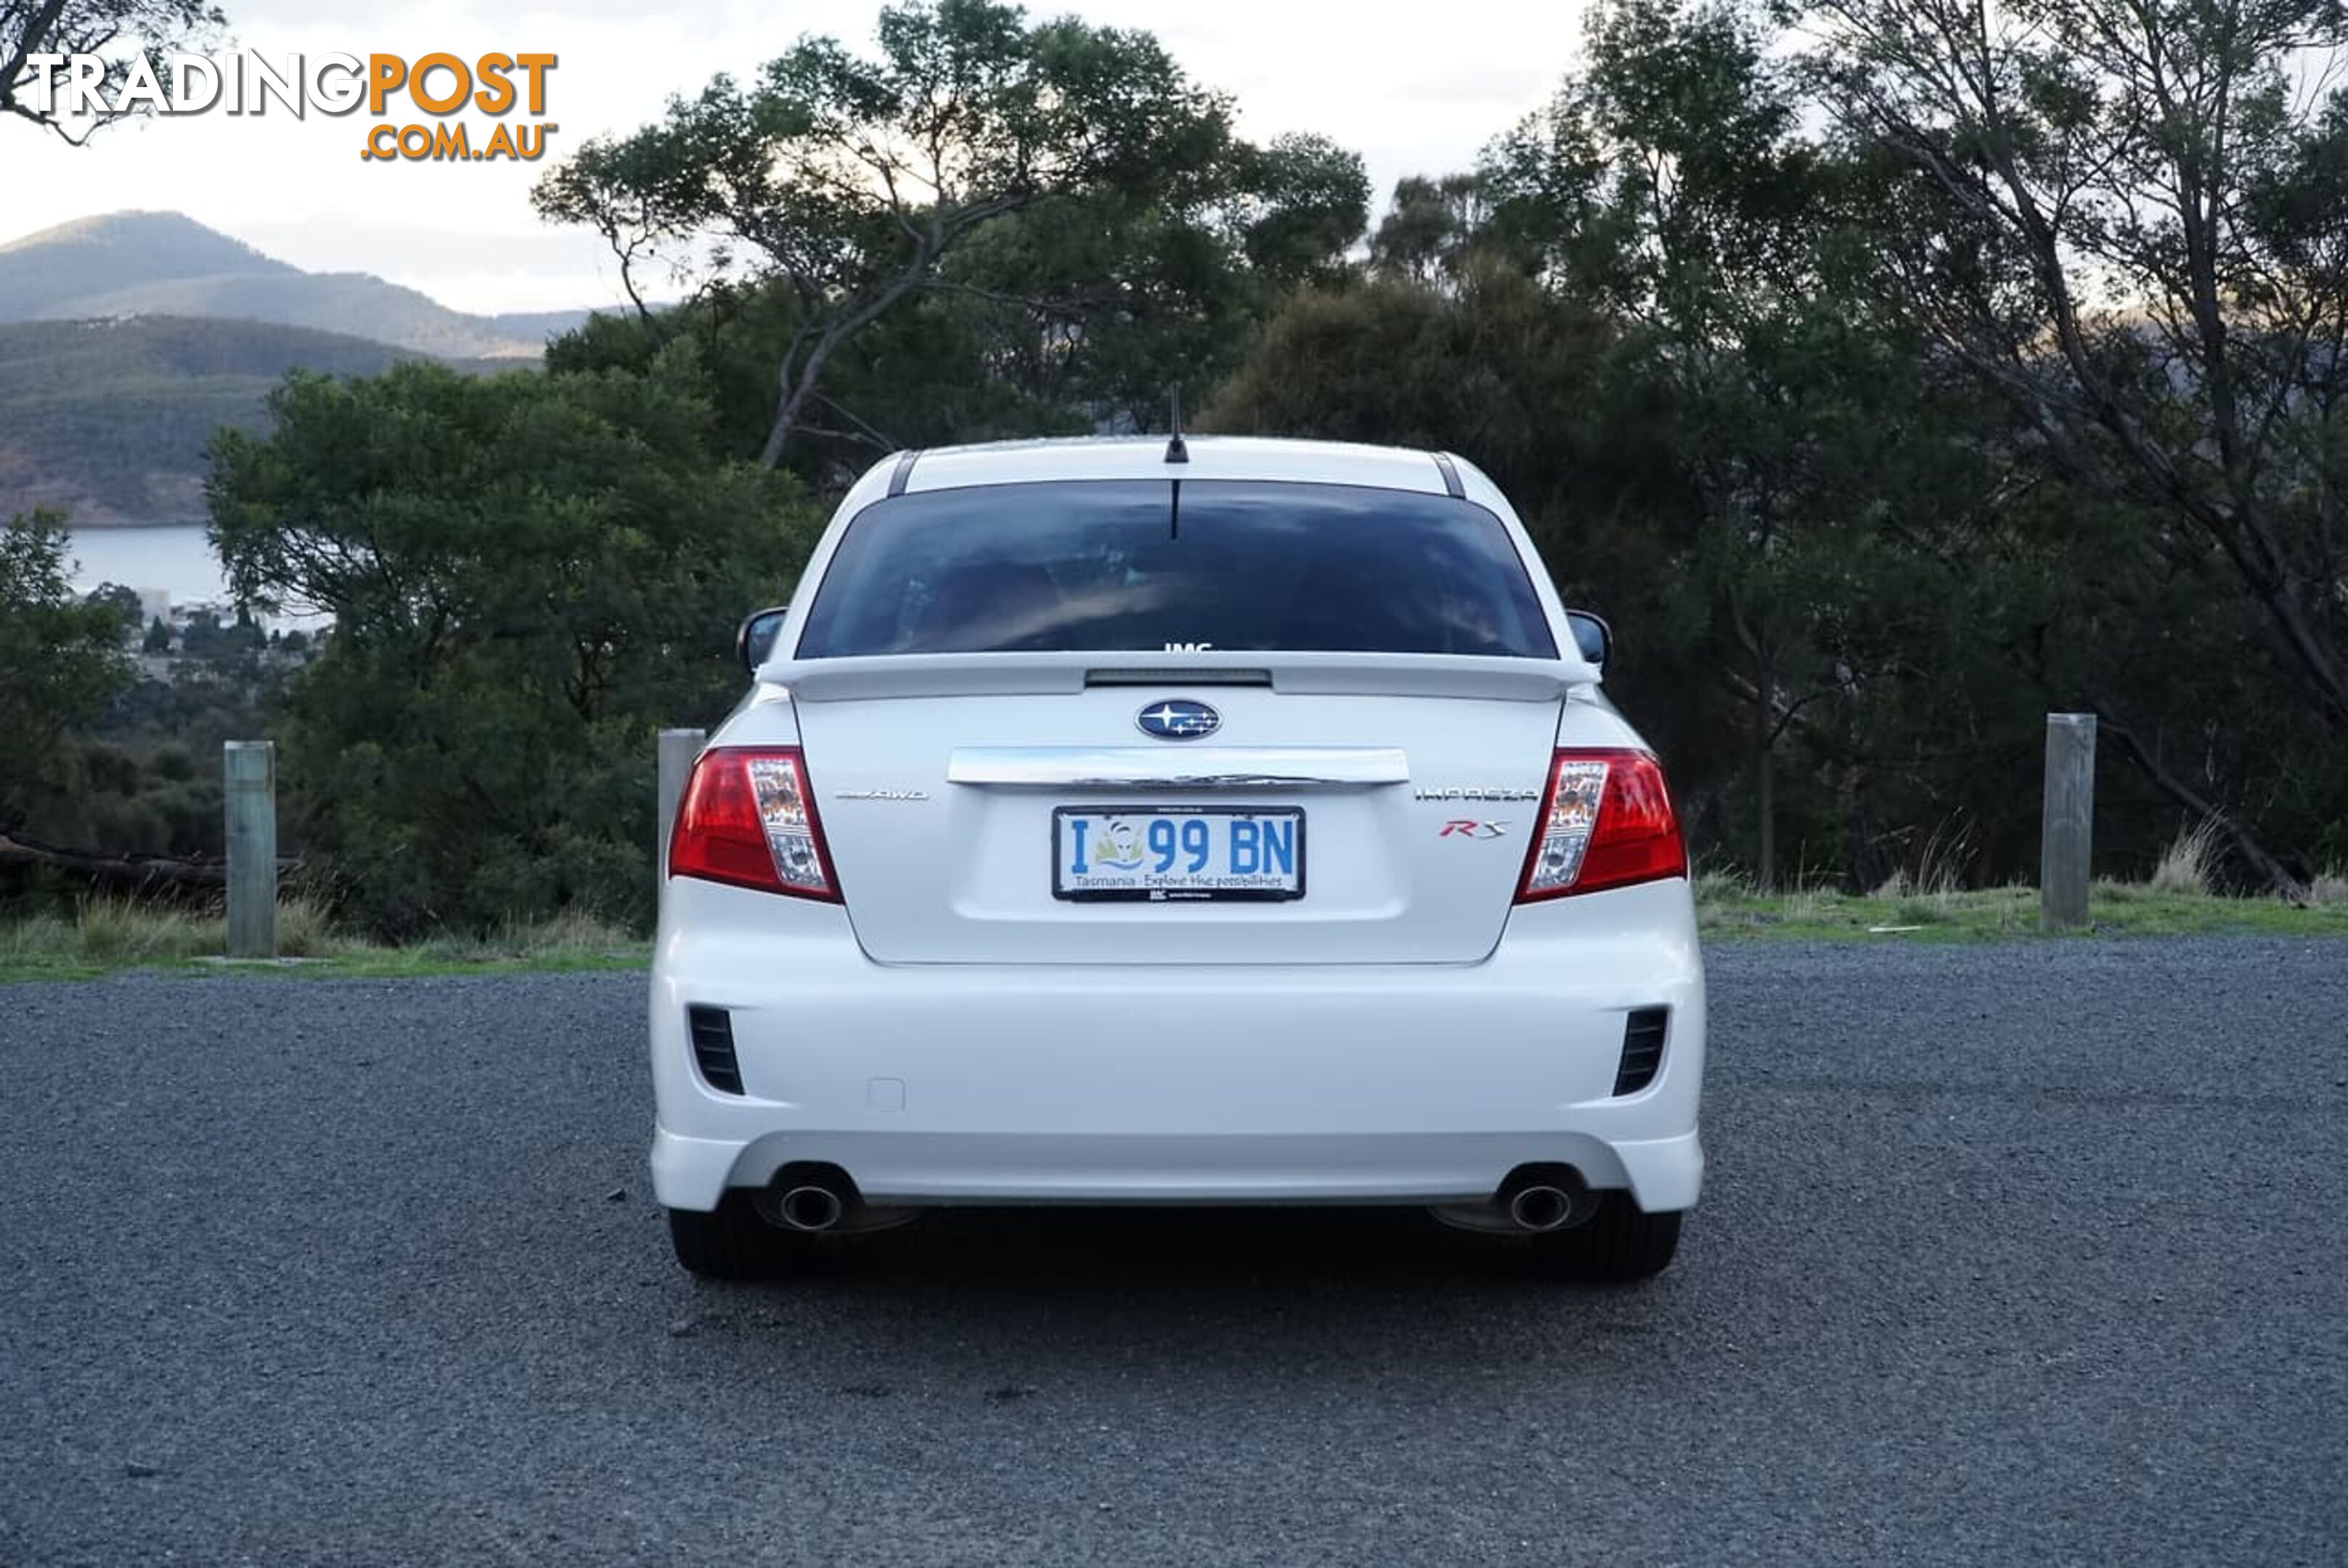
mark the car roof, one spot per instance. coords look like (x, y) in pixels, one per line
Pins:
(1144, 458)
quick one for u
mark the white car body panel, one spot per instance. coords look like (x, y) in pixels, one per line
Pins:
(951, 1032)
(1382, 886)
(1144, 458)
(1267, 1083)
(873, 677)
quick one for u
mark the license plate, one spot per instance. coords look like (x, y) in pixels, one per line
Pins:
(1177, 854)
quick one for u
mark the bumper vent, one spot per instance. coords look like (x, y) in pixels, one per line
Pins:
(713, 1048)
(1642, 1049)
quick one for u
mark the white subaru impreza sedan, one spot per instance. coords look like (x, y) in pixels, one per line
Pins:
(1137, 820)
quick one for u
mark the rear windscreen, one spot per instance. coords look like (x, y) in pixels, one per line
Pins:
(1149, 564)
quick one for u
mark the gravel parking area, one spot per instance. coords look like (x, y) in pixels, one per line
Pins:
(2028, 1252)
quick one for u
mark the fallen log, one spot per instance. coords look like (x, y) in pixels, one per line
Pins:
(133, 872)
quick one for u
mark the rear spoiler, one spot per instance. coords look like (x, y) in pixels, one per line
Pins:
(878, 677)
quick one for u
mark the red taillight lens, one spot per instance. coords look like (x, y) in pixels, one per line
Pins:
(1607, 822)
(747, 818)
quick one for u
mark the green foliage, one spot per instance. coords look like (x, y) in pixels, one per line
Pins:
(131, 780)
(60, 659)
(1848, 575)
(1305, 199)
(1055, 197)
(172, 762)
(123, 601)
(1432, 229)
(1499, 369)
(1666, 189)
(1068, 315)
(229, 647)
(529, 575)
(117, 789)
(2127, 221)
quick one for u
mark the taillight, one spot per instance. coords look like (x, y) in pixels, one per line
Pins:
(747, 818)
(1606, 822)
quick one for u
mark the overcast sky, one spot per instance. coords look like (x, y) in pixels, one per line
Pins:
(1414, 88)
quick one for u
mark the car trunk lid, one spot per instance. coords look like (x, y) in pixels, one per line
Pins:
(1412, 801)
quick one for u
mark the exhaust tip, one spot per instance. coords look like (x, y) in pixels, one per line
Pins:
(1544, 1198)
(1541, 1207)
(810, 1208)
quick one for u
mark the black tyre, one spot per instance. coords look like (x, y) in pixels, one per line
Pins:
(733, 1241)
(1619, 1245)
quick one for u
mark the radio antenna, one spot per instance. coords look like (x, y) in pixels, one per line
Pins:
(1175, 451)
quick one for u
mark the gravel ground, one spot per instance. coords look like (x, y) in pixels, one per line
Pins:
(2015, 1254)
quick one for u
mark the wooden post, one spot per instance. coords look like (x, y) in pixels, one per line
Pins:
(249, 773)
(2066, 829)
(677, 750)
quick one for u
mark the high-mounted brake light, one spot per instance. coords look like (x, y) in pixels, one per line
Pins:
(748, 819)
(1606, 822)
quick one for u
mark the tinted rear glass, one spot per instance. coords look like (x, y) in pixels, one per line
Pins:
(1115, 566)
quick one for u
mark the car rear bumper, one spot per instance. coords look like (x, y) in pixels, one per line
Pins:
(927, 1168)
(1178, 1084)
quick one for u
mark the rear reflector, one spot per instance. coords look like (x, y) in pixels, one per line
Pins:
(1607, 822)
(747, 819)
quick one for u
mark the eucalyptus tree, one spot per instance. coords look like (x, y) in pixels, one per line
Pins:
(528, 575)
(2130, 217)
(852, 181)
(1670, 185)
(60, 658)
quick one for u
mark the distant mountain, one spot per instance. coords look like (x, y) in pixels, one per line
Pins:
(109, 419)
(540, 326)
(167, 264)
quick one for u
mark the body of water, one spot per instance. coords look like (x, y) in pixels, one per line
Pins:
(172, 557)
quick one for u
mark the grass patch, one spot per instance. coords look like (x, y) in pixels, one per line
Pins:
(105, 935)
(569, 941)
(110, 936)
(2189, 864)
(1727, 910)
